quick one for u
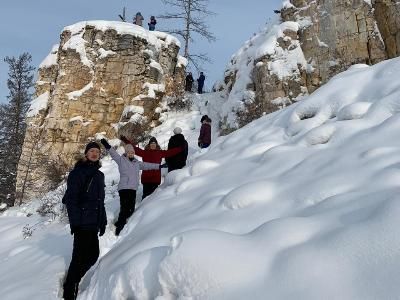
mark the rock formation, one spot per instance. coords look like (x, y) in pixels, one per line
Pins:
(313, 41)
(104, 78)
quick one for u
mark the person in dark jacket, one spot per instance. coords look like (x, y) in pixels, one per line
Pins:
(129, 168)
(177, 161)
(152, 23)
(200, 83)
(84, 199)
(204, 139)
(152, 153)
(189, 82)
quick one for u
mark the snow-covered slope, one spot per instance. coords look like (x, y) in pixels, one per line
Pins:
(300, 204)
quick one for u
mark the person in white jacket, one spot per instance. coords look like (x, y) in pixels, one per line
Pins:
(129, 171)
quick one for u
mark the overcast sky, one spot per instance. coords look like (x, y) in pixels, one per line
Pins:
(34, 26)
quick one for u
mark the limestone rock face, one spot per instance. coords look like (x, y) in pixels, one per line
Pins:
(103, 78)
(313, 41)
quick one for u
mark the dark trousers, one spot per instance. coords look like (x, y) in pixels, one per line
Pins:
(84, 255)
(148, 189)
(200, 89)
(127, 199)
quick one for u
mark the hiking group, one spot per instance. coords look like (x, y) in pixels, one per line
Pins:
(85, 193)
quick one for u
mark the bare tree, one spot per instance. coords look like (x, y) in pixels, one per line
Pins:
(191, 14)
(12, 122)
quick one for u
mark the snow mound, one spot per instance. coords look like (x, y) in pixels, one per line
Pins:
(301, 203)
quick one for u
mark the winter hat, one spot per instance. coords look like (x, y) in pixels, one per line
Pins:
(177, 130)
(91, 145)
(153, 140)
(205, 117)
(128, 148)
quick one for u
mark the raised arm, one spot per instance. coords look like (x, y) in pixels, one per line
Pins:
(138, 151)
(171, 152)
(114, 154)
(148, 166)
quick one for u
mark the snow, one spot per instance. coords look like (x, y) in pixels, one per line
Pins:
(152, 88)
(182, 62)
(77, 43)
(157, 66)
(51, 58)
(104, 53)
(155, 38)
(299, 204)
(135, 111)
(368, 2)
(38, 104)
(76, 94)
(281, 62)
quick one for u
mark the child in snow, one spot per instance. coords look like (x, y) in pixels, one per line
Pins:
(129, 168)
(84, 199)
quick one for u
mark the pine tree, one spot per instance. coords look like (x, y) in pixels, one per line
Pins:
(192, 14)
(12, 122)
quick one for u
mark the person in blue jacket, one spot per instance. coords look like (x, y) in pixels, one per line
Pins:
(129, 168)
(152, 23)
(200, 83)
(84, 199)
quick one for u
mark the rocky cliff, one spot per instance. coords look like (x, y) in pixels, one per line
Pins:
(103, 78)
(313, 41)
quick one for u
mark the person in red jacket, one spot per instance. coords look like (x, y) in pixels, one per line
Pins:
(204, 139)
(152, 153)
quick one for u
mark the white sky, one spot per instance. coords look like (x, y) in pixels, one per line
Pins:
(34, 26)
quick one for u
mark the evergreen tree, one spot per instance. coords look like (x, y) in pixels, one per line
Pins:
(12, 122)
(192, 14)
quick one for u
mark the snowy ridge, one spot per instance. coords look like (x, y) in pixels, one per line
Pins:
(284, 63)
(155, 38)
(51, 58)
(38, 104)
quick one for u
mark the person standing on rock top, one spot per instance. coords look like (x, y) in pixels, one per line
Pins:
(138, 19)
(152, 23)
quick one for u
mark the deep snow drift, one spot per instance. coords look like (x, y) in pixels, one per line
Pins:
(300, 204)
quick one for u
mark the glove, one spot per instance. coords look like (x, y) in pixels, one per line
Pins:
(74, 229)
(124, 139)
(105, 143)
(102, 230)
(164, 165)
